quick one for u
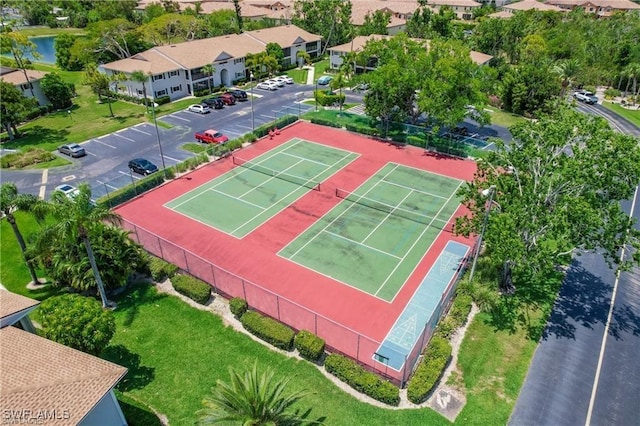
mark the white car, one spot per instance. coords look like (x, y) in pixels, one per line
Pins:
(267, 85)
(199, 108)
(68, 190)
(284, 78)
(277, 82)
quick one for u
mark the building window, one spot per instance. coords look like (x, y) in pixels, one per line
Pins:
(238, 61)
(176, 88)
(174, 73)
(239, 75)
(158, 77)
(161, 93)
(311, 47)
(287, 52)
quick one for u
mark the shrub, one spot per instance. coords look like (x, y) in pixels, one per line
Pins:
(195, 289)
(161, 100)
(361, 380)
(29, 157)
(434, 360)
(611, 93)
(131, 191)
(78, 322)
(160, 269)
(268, 329)
(309, 345)
(238, 306)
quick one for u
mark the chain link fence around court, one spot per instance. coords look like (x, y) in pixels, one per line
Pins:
(338, 337)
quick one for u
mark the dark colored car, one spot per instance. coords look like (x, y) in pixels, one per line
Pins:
(72, 150)
(142, 166)
(228, 99)
(215, 103)
(240, 95)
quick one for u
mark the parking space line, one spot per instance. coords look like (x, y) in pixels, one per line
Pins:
(141, 131)
(123, 137)
(104, 143)
(91, 153)
(106, 184)
(171, 158)
(129, 174)
(180, 118)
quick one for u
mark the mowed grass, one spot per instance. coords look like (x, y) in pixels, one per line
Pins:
(503, 118)
(176, 353)
(632, 115)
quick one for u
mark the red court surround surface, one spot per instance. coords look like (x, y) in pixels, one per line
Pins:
(254, 257)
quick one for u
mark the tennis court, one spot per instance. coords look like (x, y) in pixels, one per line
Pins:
(375, 237)
(254, 191)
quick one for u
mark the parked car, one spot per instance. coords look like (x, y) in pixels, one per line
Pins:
(267, 85)
(211, 136)
(284, 78)
(240, 95)
(215, 103)
(68, 190)
(72, 150)
(278, 83)
(586, 97)
(324, 80)
(228, 99)
(200, 108)
(142, 166)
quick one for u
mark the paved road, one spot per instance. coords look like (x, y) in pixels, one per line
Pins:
(585, 369)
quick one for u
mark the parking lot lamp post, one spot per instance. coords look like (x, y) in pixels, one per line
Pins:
(490, 192)
(155, 122)
(315, 95)
(253, 124)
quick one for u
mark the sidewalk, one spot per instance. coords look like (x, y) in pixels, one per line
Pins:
(310, 74)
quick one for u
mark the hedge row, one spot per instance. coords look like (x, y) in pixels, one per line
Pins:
(238, 306)
(429, 370)
(456, 317)
(27, 158)
(324, 98)
(279, 123)
(325, 122)
(128, 192)
(160, 269)
(362, 380)
(268, 329)
(192, 287)
(309, 345)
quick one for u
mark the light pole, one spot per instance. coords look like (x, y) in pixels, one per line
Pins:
(315, 95)
(155, 123)
(487, 192)
(253, 124)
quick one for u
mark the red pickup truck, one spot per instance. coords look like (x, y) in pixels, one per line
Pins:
(211, 136)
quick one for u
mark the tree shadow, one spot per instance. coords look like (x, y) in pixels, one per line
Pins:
(138, 376)
(136, 415)
(138, 293)
(35, 135)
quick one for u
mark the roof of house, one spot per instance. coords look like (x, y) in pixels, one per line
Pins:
(12, 303)
(613, 4)
(15, 76)
(359, 42)
(503, 14)
(39, 374)
(196, 53)
(529, 5)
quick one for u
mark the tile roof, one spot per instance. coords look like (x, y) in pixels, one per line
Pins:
(360, 41)
(17, 76)
(529, 5)
(12, 303)
(149, 62)
(613, 4)
(503, 14)
(42, 375)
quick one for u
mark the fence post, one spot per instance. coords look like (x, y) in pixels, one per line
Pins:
(244, 292)
(213, 276)
(315, 325)
(278, 306)
(184, 254)
(160, 246)
(358, 348)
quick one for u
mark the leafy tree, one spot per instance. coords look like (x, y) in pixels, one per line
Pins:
(64, 58)
(35, 12)
(78, 322)
(442, 22)
(14, 108)
(99, 83)
(10, 201)
(20, 47)
(275, 51)
(78, 221)
(558, 187)
(141, 77)
(219, 23)
(567, 71)
(152, 11)
(209, 70)
(115, 39)
(375, 23)
(419, 24)
(169, 27)
(252, 399)
(329, 18)
(530, 88)
(57, 90)
(237, 8)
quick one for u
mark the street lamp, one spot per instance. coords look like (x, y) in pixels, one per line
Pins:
(253, 124)
(155, 122)
(490, 193)
(315, 95)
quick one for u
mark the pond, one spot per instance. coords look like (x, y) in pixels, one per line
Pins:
(44, 46)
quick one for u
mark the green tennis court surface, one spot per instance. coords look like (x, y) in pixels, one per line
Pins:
(376, 236)
(242, 199)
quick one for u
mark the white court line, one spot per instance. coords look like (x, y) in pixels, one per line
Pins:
(594, 389)
(141, 131)
(104, 143)
(123, 137)
(387, 217)
(362, 244)
(235, 198)
(414, 190)
(305, 159)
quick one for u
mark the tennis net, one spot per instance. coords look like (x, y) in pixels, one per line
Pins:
(387, 208)
(308, 183)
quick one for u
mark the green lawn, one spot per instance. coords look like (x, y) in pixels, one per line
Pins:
(632, 115)
(46, 31)
(503, 118)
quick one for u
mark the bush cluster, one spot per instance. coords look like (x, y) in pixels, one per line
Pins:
(19, 160)
(456, 317)
(279, 123)
(128, 192)
(362, 380)
(326, 97)
(309, 345)
(195, 289)
(161, 100)
(191, 163)
(160, 269)
(238, 306)
(325, 122)
(361, 128)
(429, 370)
(268, 329)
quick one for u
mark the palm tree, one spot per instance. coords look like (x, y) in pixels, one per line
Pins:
(252, 399)
(339, 82)
(306, 58)
(566, 70)
(10, 201)
(142, 77)
(77, 217)
(209, 70)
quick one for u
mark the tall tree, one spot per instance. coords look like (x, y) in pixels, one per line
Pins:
(375, 23)
(209, 70)
(567, 71)
(558, 187)
(141, 77)
(329, 18)
(13, 108)
(20, 47)
(10, 201)
(252, 398)
(99, 83)
(64, 59)
(236, 6)
(59, 92)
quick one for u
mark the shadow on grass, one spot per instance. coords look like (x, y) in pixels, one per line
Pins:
(138, 375)
(138, 294)
(136, 414)
(33, 136)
